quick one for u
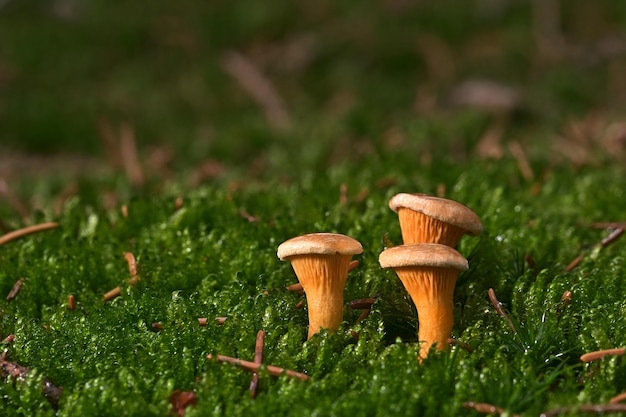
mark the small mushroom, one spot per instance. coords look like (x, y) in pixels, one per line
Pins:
(428, 272)
(321, 262)
(428, 219)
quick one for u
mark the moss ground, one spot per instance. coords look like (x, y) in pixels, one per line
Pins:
(360, 130)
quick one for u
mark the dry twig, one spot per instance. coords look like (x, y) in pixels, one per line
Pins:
(13, 200)
(71, 302)
(364, 314)
(15, 289)
(26, 231)
(598, 354)
(615, 234)
(591, 409)
(465, 346)
(258, 86)
(19, 373)
(343, 194)
(618, 398)
(386, 182)
(490, 146)
(121, 149)
(132, 268)
(522, 161)
(71, 189)
(108, 137)
(255, 367)
(202, 321)
(210, 169)
(130, 159)
(484, 408)
(577, 260)
(363, 303)
(180, 400)
(441, 190)
(607, 225)
(612, 237)
(387, 241)
(114, 293)
(566, 298)
(249, 217)
(132, 263)
(179, 203)
(258, 358)
(498, 306)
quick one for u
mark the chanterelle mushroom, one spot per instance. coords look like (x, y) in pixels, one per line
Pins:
(428, 272)
(321, 262)
(428, 219)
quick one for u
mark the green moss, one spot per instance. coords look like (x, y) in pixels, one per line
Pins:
(206, 260)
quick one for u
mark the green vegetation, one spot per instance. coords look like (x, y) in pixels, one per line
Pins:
(366, 94)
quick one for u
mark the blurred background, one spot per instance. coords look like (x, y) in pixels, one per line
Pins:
(269, 87)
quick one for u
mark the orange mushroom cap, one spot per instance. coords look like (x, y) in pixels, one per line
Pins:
(319, 243)
(428, 219)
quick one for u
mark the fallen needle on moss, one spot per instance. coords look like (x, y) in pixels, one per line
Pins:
(26, 231)
(598, 354)
(258, 358)
(19, 372)
(255, 367)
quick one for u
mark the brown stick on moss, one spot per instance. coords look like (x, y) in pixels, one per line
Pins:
(18, 372)
(592, 356)
(618, 398)
(255, 367)
(498, 306)
(363, 303)
(258, 358)
(15, 289)
(612, 237)
(115, 292)
(132, 263)
(484, 408)
(589, 409)
(132, 268)
(26, 231)
(71, 302)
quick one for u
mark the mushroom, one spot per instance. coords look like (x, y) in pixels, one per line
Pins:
(428, 271)
(321, 262)
(428, 219)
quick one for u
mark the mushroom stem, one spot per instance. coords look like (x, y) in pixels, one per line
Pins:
(417, 227)
(323, 278)
(431, 290)
(435, 325)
